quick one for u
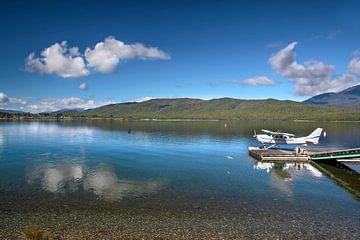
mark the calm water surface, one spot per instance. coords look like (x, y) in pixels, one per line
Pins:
(172, 180)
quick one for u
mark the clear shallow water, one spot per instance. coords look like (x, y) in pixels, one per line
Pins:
(171, 180)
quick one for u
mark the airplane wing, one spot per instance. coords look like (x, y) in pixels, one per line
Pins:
(288, 134)
(268, 132)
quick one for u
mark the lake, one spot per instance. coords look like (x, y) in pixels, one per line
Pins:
(113, 179)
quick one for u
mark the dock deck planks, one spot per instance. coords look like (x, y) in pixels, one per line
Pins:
(277, 155)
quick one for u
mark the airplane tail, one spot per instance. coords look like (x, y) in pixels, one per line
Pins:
(314, 136)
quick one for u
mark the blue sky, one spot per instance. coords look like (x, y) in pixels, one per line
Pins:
(155, 49)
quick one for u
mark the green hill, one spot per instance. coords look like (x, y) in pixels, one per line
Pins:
(223, 108)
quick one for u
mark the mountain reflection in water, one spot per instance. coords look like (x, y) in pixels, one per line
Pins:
(343, 175)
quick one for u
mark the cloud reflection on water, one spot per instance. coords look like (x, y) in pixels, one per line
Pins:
(49, 130)
(102, 181)
(2, 141)
(56, 179)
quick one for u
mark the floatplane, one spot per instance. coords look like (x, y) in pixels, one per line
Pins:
(273, 139)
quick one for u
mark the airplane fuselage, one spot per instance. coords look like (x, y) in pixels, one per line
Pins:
(282, 140)
(289, 139)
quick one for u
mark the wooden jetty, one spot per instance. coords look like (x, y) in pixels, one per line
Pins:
(281, 155)
(274, 154)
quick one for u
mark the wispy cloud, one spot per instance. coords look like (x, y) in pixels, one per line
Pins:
(255, 81)
(278, 44)
(68, 62)
(183, 85)
(83, 86)
(140, 99)
(329, 35)
(212, 84)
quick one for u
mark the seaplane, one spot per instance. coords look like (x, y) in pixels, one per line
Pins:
(273, 139)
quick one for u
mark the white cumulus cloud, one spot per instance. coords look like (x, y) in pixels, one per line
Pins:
(354, 65)
(30, 104)
(83, 86)
(66, 62)
(106, 55)
(18, 101)
(7, 102)
(312, 77)
(284, 63)
(53, 104)
(3, 98)
(58, 59)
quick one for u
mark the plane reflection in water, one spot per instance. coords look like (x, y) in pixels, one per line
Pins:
(285, 169)
(102, 181)
(282, 174)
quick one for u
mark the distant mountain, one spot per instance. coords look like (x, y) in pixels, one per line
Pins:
(223, 108)
(65, 110)
(11, 111)
(70, 109)
(348, 98)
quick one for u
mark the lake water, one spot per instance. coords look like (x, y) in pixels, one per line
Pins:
(171, 180)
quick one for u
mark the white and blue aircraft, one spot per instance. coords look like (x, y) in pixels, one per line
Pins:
(280, 138)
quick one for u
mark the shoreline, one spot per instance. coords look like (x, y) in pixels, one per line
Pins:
(169, 119)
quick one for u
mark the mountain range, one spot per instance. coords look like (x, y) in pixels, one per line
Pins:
(343, 106)
(222, 108)
(11, 111)
(348, 98)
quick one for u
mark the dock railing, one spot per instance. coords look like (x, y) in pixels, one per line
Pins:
(336, 155)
